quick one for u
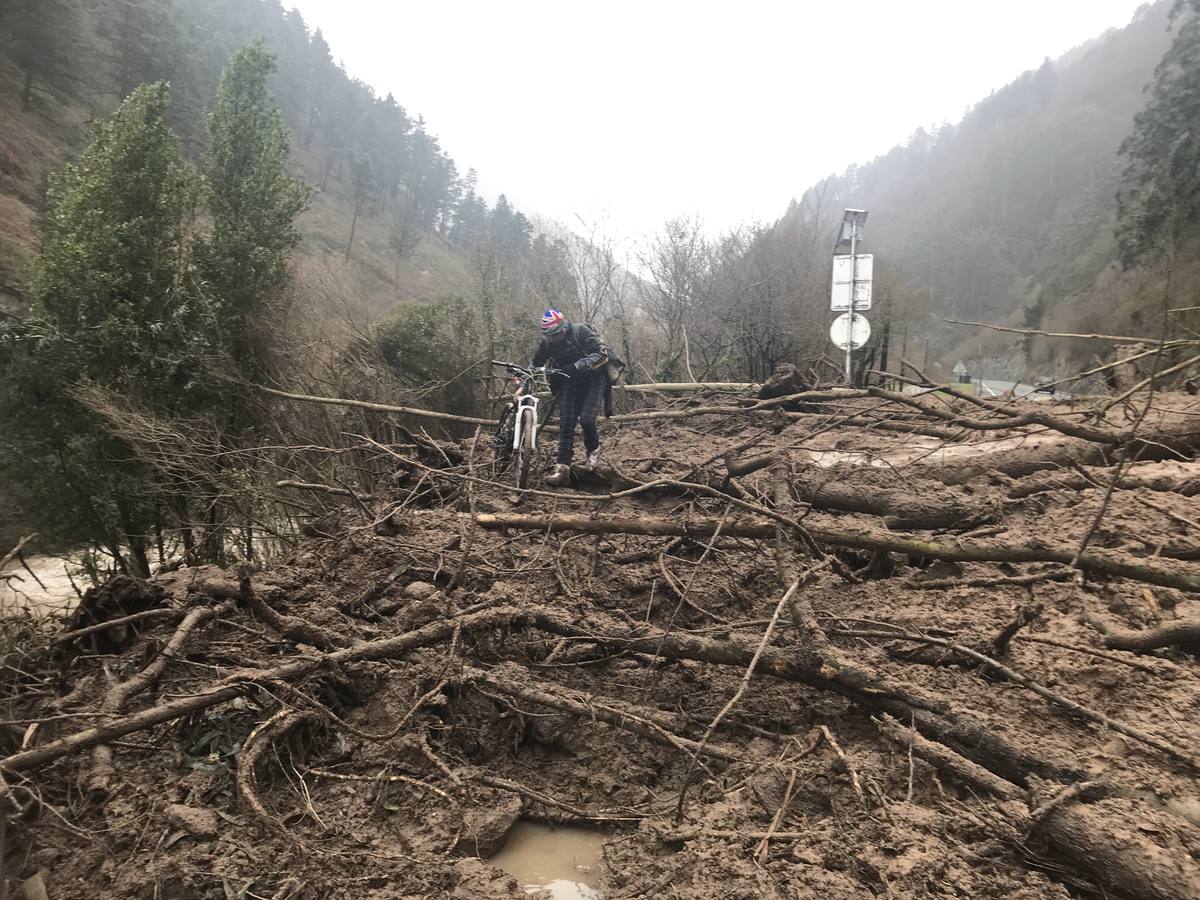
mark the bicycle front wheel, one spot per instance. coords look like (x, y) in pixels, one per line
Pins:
(526, 423)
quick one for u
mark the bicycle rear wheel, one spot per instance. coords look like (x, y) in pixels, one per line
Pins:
(502, 440)
(527, 424)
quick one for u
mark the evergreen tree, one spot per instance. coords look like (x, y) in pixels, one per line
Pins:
(144, 41)
(254, 202)
(1161, 201)
(111, 309)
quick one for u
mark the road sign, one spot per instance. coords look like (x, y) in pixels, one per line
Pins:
(840, 296)
(846, 338)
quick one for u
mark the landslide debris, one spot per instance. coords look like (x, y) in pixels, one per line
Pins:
(981, 684)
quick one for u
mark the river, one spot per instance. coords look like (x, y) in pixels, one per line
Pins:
(53, 597)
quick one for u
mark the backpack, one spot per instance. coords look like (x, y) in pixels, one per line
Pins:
(613, 365)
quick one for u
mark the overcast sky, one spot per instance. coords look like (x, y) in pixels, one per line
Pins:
(635, 112)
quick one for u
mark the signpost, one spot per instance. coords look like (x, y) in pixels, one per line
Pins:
(854, 292)
(860, 269)
(850, 334)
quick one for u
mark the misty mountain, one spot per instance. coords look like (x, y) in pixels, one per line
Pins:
(396, 219)
(1008, 216)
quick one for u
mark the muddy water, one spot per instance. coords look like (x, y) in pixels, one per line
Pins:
(563, 861)
(53, 597)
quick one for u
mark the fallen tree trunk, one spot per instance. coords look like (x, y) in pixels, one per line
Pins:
(1163, 444)
(245, 681)
(869, 690)
(1091, 563)
(1106, 840)
(900, 508)
(932, 714)
(1185, 485)
(1177, 634)
(646, 723)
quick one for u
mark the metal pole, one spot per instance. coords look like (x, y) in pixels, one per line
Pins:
(853, 286)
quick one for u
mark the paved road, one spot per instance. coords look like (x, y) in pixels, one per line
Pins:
(988, 387)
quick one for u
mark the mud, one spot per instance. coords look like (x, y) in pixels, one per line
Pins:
(406, 765)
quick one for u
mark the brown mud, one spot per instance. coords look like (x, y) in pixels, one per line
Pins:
(395, 775)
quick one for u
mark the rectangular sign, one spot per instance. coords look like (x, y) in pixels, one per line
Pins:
(840, 298)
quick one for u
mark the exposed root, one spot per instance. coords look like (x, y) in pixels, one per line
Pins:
(256, 746)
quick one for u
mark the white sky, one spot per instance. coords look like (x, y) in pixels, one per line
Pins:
(635, 111)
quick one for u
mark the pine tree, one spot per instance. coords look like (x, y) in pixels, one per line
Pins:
(1160, 204)
(254, 202)
(144, 41)
(111, 309)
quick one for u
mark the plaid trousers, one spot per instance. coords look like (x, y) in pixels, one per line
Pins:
(579, 403)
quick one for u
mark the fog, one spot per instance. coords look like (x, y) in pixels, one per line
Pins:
(636, 112)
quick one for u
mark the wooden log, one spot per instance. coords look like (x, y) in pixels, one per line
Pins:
(1106, 840)
(1177, 634)
(874, 692)
(165, 613)
(378, 407)
(849, 491)
(1185, 485)
(1111, 840)
(909, 703)
(650, 724)
(101, 772)
(683, 387)
(899, 507)
(1092, 563)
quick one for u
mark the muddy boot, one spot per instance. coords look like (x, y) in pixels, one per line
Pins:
(560, 476)
(593, 460)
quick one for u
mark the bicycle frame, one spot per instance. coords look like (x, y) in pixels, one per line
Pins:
(524, 402)
(525, 398)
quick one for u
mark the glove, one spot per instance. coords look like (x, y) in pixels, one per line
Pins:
(581, 365)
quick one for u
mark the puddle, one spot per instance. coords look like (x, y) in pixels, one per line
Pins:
(563, 861)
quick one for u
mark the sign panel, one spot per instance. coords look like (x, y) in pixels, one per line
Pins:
(840, 299)
(846, 338)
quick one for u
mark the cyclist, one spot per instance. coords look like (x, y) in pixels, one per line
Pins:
(578, 350)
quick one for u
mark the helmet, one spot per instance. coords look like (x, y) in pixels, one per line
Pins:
(554, 323)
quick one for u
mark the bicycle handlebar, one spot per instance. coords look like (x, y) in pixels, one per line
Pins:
(525, 370)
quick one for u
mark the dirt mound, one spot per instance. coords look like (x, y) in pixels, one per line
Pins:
(759, 673)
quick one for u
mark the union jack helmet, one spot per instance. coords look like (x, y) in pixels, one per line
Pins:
(554, 322)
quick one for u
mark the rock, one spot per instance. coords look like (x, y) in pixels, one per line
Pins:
(485, 829)
(422, 613)
(197, 821)
(785, 381)
(420, 590)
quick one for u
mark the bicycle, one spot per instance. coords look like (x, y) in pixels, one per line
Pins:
(517, 429)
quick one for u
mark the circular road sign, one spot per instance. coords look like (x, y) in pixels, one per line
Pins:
(846, 338)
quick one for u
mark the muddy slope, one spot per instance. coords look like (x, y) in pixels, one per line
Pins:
(406, 685)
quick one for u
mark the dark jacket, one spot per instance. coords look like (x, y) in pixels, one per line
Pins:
(582, 354)
(582, 343)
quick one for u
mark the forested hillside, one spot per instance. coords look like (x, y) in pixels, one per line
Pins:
(160, 246)
(395, 217)
(1009, 216)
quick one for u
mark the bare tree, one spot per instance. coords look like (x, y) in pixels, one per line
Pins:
(680, 264)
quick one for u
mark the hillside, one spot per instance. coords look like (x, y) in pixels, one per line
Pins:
(361, 150)
(1008, 215)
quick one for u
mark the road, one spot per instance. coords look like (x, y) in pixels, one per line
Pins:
(988, 387)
